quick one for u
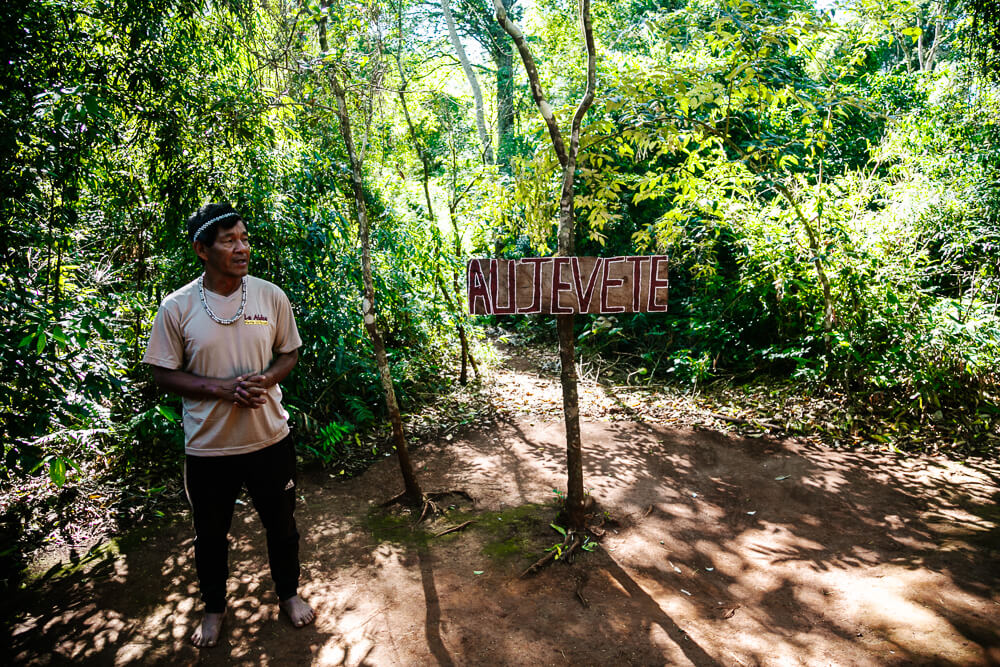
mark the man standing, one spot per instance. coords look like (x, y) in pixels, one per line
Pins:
(223, 342)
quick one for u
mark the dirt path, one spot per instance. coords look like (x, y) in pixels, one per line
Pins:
(726, 550)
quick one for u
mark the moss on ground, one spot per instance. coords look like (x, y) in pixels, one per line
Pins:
(386, 526)
(514, 533)
(518, 532)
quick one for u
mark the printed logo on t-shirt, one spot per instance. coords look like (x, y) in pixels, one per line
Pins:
(256, 319)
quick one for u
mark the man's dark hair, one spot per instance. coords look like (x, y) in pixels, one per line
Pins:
(227, 219)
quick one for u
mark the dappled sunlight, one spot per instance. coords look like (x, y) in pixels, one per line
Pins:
(113, 612)
(767, 410)
(345, 619)
(718, 550)
(771, 547)
(344, 652)
(745, 541)
(908, 608)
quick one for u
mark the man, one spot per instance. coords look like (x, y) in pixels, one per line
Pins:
(223, 342)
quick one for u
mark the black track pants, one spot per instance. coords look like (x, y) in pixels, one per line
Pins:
(212, 484)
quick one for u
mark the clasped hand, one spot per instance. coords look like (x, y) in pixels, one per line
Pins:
(249, 391)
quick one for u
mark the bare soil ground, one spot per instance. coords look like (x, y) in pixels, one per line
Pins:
(718, 549)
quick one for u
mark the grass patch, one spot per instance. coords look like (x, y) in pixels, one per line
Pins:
(518, 532)
(399, 529)
(521, 532)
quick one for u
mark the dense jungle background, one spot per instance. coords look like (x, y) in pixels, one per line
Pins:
(824, 176)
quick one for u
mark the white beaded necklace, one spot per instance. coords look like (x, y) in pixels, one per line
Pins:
(204, 302)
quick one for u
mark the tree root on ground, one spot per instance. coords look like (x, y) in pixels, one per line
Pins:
(581, 581)
(428, 506)
(563, 551)
(454, 529)
(596, 525)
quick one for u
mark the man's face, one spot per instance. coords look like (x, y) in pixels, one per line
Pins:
(230, 254)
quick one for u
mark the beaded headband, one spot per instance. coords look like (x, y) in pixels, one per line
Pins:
(231, 214)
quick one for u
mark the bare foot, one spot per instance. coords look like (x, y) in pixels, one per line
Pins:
(298, 612)
(207, 634)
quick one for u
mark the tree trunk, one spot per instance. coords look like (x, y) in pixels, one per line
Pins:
(829, 309)
(929, 57)
(484, 136)
(463, 377)
(463, 339)
(421, 153)
(410, 484)
(567, 222)
(905, 47)
(504, 61)
(920, 46)
(479, 24)
(829, 305)
(932, 54)
(457, 287)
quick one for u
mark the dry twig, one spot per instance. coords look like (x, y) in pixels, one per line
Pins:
(564, 551)
(740, 420)
(454, 529)
(427, 505)
(581, 581)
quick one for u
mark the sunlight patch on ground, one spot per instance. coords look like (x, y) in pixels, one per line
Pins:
(892, 606)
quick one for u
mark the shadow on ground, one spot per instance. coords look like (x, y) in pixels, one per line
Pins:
(727, 551)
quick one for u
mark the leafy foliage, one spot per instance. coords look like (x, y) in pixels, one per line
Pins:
(825, 182)
(123, 118)
(826, 189)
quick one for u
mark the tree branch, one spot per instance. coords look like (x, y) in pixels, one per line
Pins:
(537, 93)
(477, 94)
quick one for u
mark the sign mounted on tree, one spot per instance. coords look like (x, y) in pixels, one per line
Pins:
(564, 285)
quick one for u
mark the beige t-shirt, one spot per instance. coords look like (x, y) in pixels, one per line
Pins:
(185, 337)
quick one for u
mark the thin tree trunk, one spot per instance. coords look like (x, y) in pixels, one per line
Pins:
(49, 241)
(927, 64)
(567, 159)
(829, 306)
(463, 377)
(421, 153)
(57, 280)
(484, 137)
(410, 484)
(829, 311)
(504, 61)
(463, 339)
(920, 46)
(456, 286)
(905, 47)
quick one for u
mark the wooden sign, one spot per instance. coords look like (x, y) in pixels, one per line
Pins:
(564, 285)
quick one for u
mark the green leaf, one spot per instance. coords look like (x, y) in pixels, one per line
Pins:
(57, 471)
(42, 339)
(168, 412)
(26, 340)
(559, 529)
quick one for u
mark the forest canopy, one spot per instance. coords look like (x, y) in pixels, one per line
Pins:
(825, 178)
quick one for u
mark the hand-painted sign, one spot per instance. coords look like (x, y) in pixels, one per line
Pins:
(563, 285)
